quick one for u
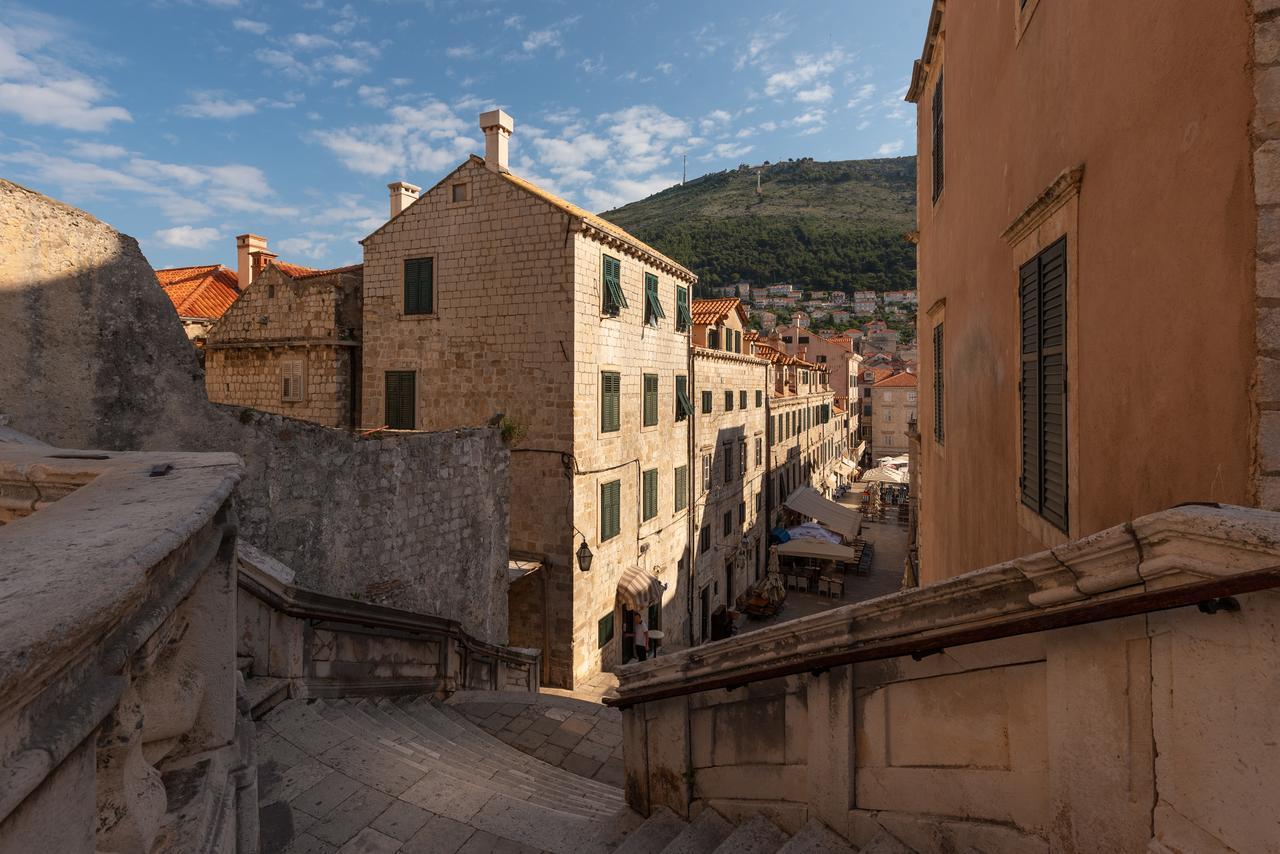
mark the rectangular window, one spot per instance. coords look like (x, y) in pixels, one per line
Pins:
(759, 398)
(683, 407)
(650, 400)
(726, 451)
(759, 452)
(459, 192)
(704, 539)
(937, 139)
(614, 299)
(742, 514)
(604, 629)
(610, 401)
(728, 523)
(713, 339)
(652, 305)
(292, 384)
(1042, 291)
(682, 488)
(419, 285)
(742, 457)
(938, 410)
(610, 509)
(742, 399)
(728, 401)
(706, 402)
(683, 319)
(401, 400)
(649, 504)
(706, 472)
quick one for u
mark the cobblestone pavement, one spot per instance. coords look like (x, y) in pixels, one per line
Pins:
(576, 735)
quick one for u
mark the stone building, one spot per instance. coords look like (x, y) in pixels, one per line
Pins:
(487, 297)
(291, 344)
(200, 295)
(728, 460)
(835, 353)
(893, 406)
(1130, 173)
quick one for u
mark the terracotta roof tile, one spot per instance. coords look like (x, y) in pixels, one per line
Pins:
(205, 291)
(293, 271)
(902, 380)
(707, 312)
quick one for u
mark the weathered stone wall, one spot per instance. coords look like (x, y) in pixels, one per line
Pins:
(1266, 166)
(253, 376)
(99, 360)
(721, 436)
(892, 409)
(802, 458)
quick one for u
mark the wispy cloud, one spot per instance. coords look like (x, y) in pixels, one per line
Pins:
(462, 51)
(212, 105)
(891, 148)
(187, 237)
(806, 71)
(246, 25)
(425, 137)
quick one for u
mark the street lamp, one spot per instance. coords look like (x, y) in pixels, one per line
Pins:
(584, 557)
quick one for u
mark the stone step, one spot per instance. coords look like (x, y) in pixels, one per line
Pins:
(702, 835)
(430, 721)
(265, 693)
(756, 835)
(816, 838)
(379, 734)
(657, 832)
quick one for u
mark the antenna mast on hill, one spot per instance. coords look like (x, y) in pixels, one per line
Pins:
(758, 190)
(684, 170)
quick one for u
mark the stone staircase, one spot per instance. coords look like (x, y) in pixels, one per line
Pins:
(381, 775)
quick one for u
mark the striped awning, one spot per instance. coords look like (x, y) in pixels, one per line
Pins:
(638, 589)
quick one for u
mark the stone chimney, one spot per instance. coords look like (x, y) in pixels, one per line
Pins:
(246, 246)
(497, 127)
(403, 194)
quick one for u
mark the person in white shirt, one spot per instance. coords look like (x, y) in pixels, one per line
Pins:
(642, 637)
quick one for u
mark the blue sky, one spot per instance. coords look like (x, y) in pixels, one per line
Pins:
(186, 122)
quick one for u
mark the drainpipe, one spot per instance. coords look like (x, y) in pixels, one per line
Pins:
(690, 452)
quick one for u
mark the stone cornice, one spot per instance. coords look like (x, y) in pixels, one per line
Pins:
(725, 355)
(600, 235)
(248, 343)
(1064, 188)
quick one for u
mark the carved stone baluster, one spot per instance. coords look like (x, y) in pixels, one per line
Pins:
(131, 796)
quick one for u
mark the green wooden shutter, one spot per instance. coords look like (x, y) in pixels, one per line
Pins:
(650, 400)
(684, 408)
(939, 431)
(650, 503)
(937, 139)
(400, 400)
(610, 404)
(614, 298)
(706, 402)
(610, 509)
(682, 488)
(683, 319)
(652, 305)
(1053, 382)
(1029, 381)
(419, 286)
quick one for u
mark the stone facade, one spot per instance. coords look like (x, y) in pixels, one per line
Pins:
(894, 404)
(1265, 142)
(516, 329)
(729, 468)
(290, 345)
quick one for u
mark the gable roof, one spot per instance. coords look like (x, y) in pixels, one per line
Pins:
(707, 312)
(296, 271)
(204, 291)
(902, 380)
(878, 374)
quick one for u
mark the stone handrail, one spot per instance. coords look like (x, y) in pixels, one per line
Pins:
(298, 634)
(118, 714)
(1065, 701)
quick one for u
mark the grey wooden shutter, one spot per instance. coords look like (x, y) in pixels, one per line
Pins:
(1053, 382)
(1029, 381)
(400, 399)
(419, 294)
(937, 138)
(939, 412)
(610, 392)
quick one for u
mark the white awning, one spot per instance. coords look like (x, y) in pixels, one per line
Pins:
(831, 481)
(846, 466)
(638, 589)
(816, 549)
(833, 516)
(885, 474)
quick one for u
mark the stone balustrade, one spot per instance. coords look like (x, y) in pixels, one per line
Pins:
(119, 724)
(326, 646)
(1072, 700)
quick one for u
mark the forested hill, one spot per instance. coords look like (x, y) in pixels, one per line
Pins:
(836, 225)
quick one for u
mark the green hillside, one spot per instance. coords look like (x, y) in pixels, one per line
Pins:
(836, 225)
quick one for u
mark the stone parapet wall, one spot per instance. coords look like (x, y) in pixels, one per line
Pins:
(1125, 730)
(252, 376)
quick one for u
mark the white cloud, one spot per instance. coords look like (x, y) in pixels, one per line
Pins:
(770, 34)
(890, 148)
(592, 66)
(246, 25)
(807, 70)
(714, 118)
(427, 136)
(864, 93)
(460, 51)
(347, 64)
(729, 151)
(541, 38)
(210, 105)
(816, 95)
(62, 103)
(374, 96)
(513, 22)
(811, 117)
(864, 124)
(187, 237)
(311, 41)
(664, 67)
(98, 150)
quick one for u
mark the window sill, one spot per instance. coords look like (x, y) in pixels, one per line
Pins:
(428, 316)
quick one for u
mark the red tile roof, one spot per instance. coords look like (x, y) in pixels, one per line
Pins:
(902, 380)
(295, 271)
(878, 374)
(707, 312)
(205, 291)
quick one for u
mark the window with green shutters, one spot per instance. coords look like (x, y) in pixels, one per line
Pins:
(650, 400)
(706, 402)
(604, 629)
(727, 453)
(652, 305)
(419, 286)
(683, 407)
(614, 299)
(939, 422)
(610, 402)
(682, 488)
(728, 401)
(742, 399)
(759, 398)
(401, 400)
(728, 522)
(683, 319)
(1042, 289)
(649, 502)
(610, 509)
(713, 339)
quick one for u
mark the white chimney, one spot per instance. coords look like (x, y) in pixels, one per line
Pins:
(402, 195)
(497, 127)
(246, 246)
